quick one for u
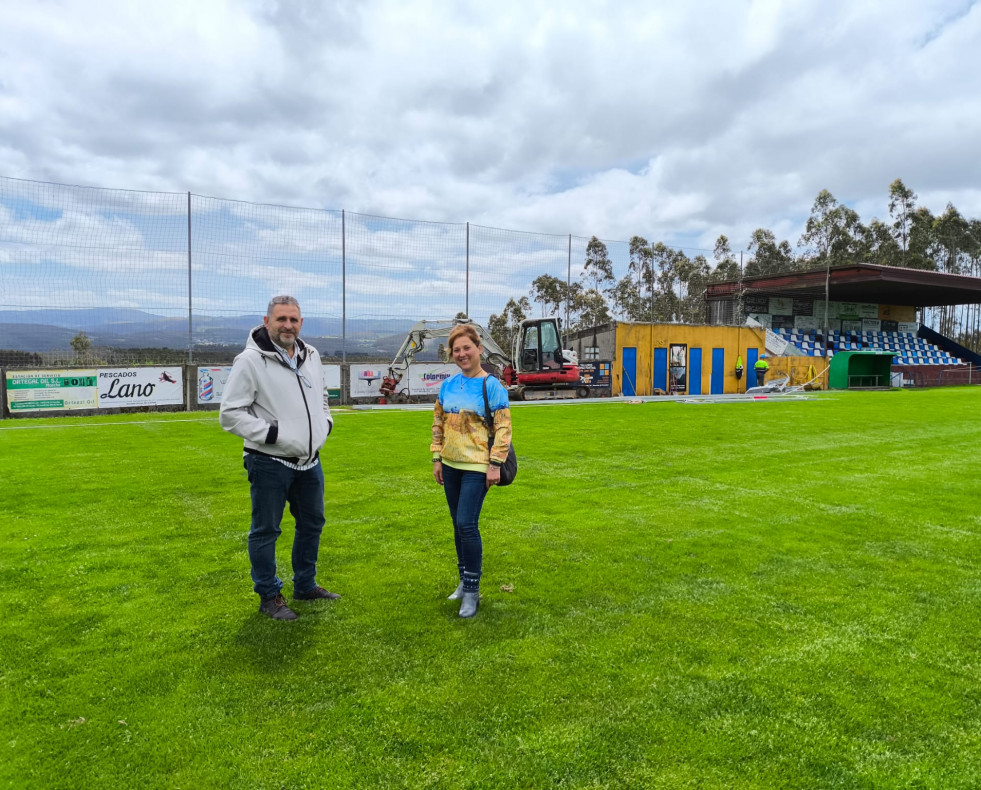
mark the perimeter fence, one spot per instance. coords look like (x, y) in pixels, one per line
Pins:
(141, 271)
(94, 277)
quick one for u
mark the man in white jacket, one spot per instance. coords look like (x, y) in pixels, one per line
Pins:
(276, 401)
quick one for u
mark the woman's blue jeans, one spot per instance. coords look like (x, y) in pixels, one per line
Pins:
(465, 492)
(273, 485)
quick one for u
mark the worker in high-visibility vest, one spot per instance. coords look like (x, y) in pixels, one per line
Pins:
(761, 367)
(739, 368)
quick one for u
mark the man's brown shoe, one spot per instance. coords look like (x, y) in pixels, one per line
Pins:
(276, 608)
(316, 594)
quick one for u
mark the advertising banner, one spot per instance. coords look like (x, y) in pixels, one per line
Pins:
(803, 306)
(121, 388)
(909, 328)
(851, 326)
(775, 344)
(596, 375)
(871, 325)
(332, 380)
(848, 310)
(366, 380)
(51, 390)
(805, 322)
(781, 305)
(426, 379)
(897, 312)
(211, 383)
(868, 310)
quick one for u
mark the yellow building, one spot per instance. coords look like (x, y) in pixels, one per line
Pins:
(684, 359)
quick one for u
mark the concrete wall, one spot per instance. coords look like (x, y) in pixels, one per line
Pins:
(602, 337)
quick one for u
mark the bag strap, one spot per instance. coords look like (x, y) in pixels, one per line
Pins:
(488, 418)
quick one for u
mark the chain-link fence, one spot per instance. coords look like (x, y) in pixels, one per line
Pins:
(116, 276)
(105, 276)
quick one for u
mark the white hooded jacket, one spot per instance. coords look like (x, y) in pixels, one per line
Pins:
(270, 407)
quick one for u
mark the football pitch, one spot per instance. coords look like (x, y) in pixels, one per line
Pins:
(771, 594)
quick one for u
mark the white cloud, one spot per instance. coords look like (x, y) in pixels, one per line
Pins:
(678, 122)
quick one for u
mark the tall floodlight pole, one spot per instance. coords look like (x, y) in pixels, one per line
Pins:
(343, 289)
(740, 320)
(190, 320)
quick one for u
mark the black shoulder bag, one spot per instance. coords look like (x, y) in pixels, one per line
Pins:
(509, 469)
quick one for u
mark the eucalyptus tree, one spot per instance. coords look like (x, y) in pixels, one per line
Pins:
(598, 268)
(666, 264)
(832, 231)
(952, 252)
(504, 327)
(876, 244)
(726, 266)
(902, 204)
(923, 251)
(587, 308)
(549, 292)
(769, 256)
(693, 277)
(641, 268)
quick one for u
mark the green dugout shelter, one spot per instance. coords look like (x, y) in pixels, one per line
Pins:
(860, 369)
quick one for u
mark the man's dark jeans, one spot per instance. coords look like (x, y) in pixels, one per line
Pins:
(465, 492)
(273, 486)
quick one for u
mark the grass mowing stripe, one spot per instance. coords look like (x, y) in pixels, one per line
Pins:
(714, 597)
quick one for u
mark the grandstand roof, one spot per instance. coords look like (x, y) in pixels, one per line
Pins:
(863, 282)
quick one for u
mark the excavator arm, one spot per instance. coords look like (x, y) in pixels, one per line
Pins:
(427, 331)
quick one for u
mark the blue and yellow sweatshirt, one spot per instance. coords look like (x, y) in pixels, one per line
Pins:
(459, 427)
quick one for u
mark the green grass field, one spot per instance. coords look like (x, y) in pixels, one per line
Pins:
(738, 595)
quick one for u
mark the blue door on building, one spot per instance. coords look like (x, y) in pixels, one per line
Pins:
(695, 371)
(629, 371)
(661, 369)
(752, 355)
(718, 371)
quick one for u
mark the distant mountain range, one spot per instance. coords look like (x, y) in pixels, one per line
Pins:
(53, 330)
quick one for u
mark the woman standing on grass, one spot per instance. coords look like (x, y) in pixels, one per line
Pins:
(463, 463)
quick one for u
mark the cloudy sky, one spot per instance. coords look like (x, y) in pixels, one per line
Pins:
(677, 121)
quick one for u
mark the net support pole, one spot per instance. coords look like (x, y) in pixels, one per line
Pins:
(343, 288)
(827, 292)
(568, 294)
(466, 275)
(190, 319)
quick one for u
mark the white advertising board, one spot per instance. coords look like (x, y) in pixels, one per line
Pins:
(909, 328)
(211, 383)
(366, 380)
(871, 325)
(332, 378)
(763, 319)
(51, 390)
(426, 379)
(775, 344)
(134, 387)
